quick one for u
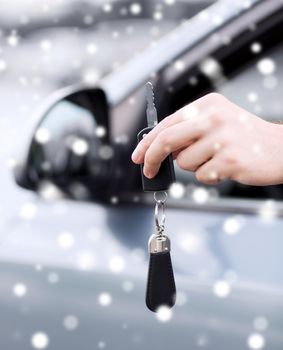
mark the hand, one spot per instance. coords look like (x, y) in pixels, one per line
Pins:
(217, 140)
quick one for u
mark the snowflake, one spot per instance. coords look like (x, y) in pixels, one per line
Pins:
(39, 340)
(177, 190)
(135, 9)
(266, 66)
(20, 290)
(256, 341)
(71, 322)
(3, 65)
(117, 264)
(233, 224)
(104, 299)
(53, 277)
(164, 313)
(221, 289)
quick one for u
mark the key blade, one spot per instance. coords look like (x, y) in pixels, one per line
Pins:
(151, 112)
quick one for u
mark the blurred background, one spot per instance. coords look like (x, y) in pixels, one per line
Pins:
(73, 263)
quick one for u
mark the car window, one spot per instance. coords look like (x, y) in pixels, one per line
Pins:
(256, 87)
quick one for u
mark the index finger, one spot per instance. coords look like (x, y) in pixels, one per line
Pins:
(188, 111)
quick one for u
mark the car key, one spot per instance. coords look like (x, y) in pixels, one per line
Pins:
(166, 175)
(160, 289)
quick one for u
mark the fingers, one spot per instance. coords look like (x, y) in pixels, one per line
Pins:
(142, 147)
(215, 170)
(194, 112)
(173, 138)
(188, 112)
(192, 157)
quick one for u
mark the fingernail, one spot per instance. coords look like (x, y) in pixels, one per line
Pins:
(148, 174)
(135, 155)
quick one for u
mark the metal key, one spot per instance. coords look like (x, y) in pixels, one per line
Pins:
(166, 175)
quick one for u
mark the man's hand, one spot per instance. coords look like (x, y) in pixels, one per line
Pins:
(216, 139)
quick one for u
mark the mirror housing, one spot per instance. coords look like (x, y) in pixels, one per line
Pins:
(69, 146)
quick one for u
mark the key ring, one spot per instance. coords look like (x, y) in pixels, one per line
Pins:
(159, 213)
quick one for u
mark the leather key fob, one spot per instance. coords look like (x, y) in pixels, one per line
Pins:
(161, 289)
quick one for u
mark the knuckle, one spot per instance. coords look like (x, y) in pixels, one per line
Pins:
(164, 138)
(230, 158)
(217, 118)
(180, 161)
(200, 176)
(215, 97)
(167, 120)
(149, 159)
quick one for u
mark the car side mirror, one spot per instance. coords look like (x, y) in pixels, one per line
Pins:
(70, 147)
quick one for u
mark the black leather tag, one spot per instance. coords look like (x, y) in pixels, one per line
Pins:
(161, 289)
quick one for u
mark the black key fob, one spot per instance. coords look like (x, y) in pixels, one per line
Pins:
(165, 176)
(161, 289)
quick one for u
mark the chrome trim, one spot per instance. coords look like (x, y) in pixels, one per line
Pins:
(159, 244)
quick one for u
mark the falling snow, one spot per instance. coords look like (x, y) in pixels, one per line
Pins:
(221, 289)
(40, 340)
(256, 341)
(20, 290)
(104, 299)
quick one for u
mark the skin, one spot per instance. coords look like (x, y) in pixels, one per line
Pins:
(217, 140)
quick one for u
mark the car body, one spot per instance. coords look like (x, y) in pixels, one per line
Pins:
(86, 261)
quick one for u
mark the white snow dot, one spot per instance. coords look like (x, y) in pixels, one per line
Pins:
(252, 96)
(47, 189)
(217, 20)
(91, 49)
(53, 277)
(42, 135)
(100, 131)
(268, 211)
(85, 260)
(20, 290)
(65, 240)
(170, 2)
(221, 289)
(45, 45)
(270, 82)
(91, 76)
(13, 40)
(39, 340)
(211, 68)
(88, 19)
(107, 7)
(179, 65)
(128, 286)
(104, 299)
(79, 146)
(105, 152)
(256, 47)
(135, 8)
(71, 322)
(256, 341)
(164, 313)
(117, 264)
(177, 190)
(233, 224)
(260, 323)
(191, 242)
(191, 112)
(266, 66)
(28, 211)
(200, 195)
(101, 345)
(3, 65)
(157, 15)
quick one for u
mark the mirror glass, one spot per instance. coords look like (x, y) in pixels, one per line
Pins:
(70, 146)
